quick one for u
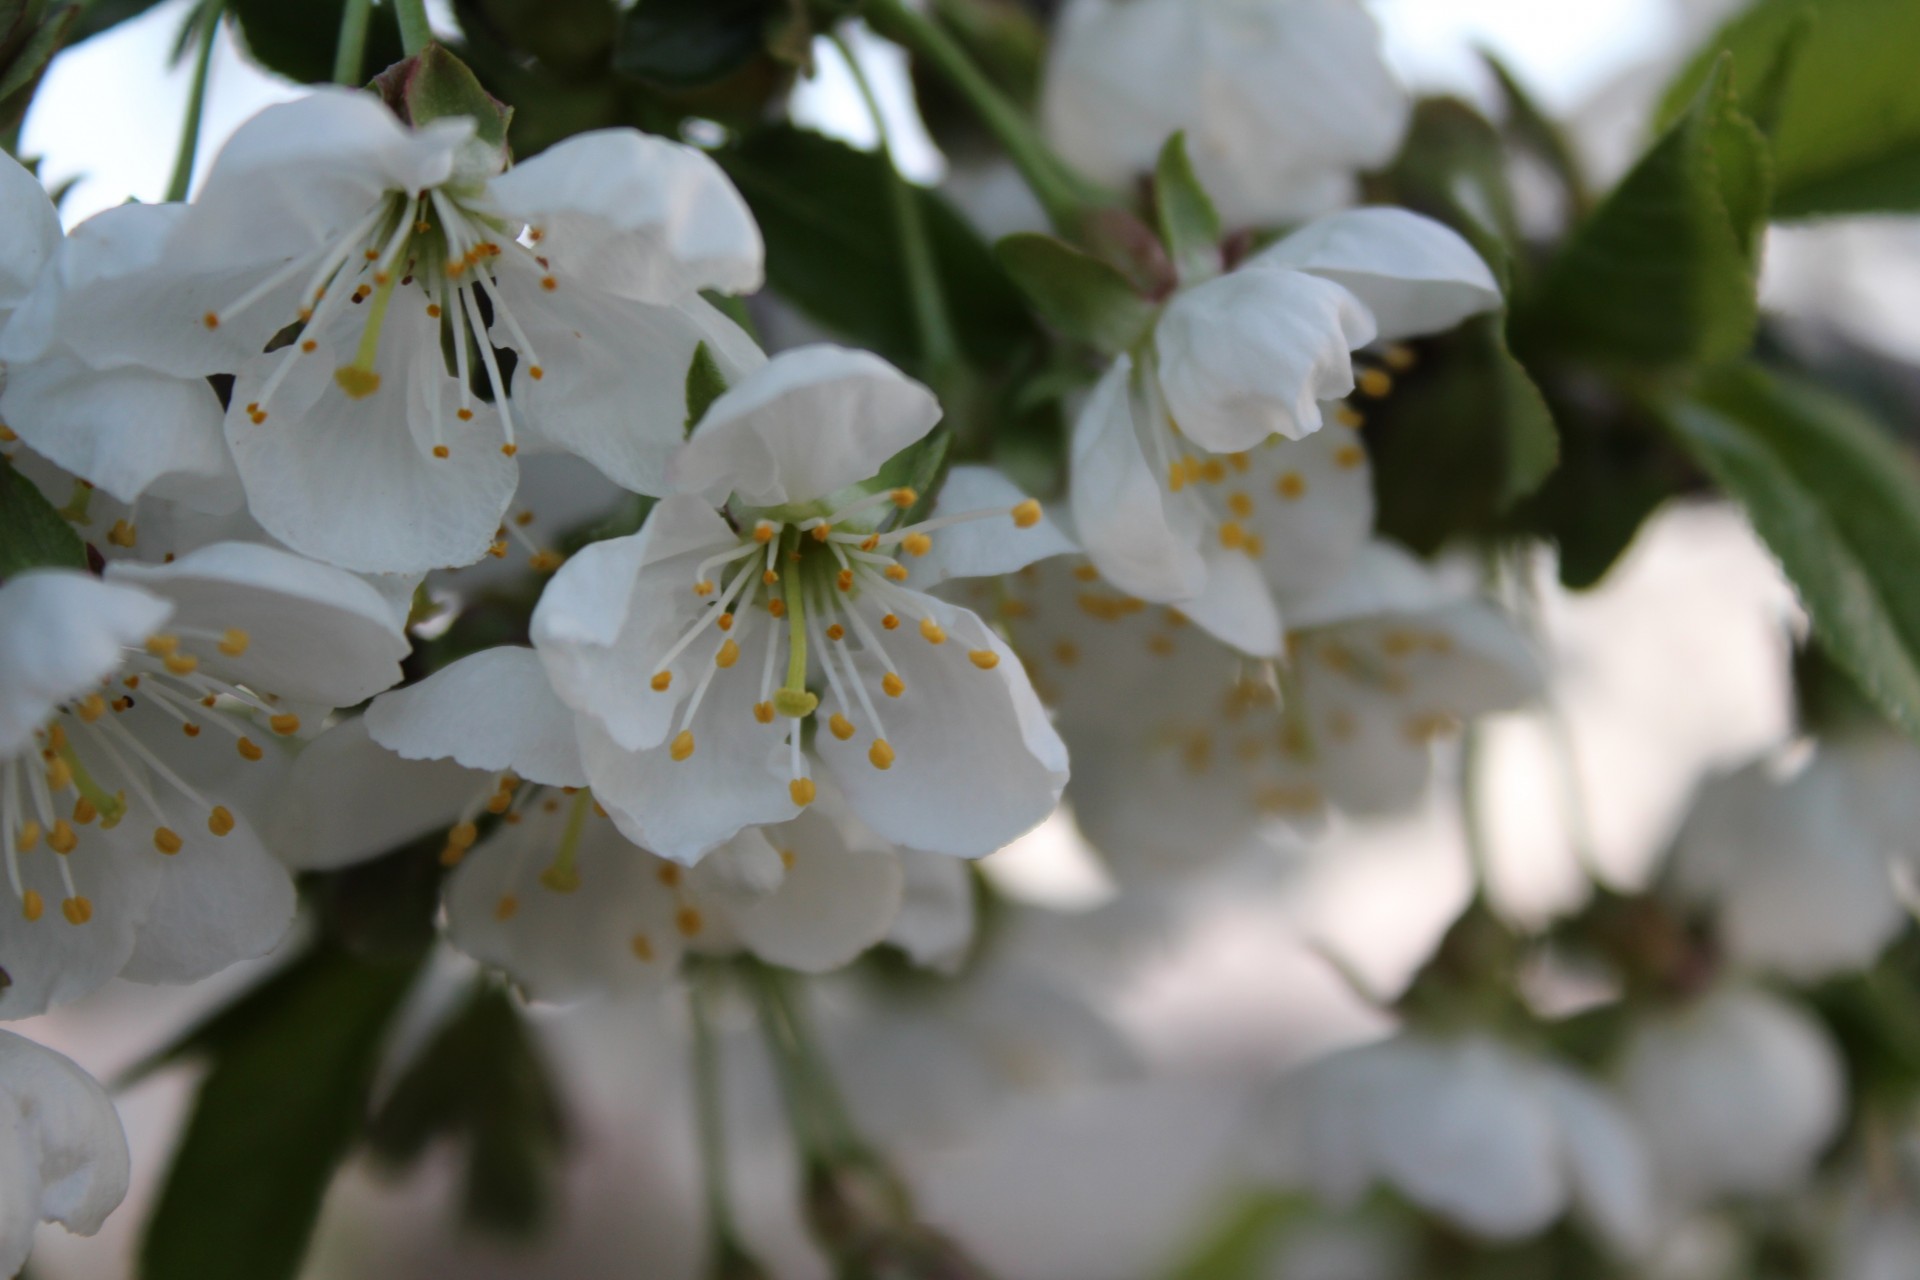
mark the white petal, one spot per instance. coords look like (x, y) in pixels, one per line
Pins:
(123, 430)
(1382, 579)
(976, 762)
(61, 633)
(635, 215)
(614, 376)
(983, 548)
(1607, 1165)
(810, 422)
(936, 918)
(33, 231)
(81, 1161)
(344, 481)
(1236, 606)
(1414, 274)
(565, 946)
(220, 900)
(492, 710)
(51, 961)
(348, 798)
(314, 633)
(1252, 354)
(835, 902)
(614, 610)
(1312, 511)
(1121, 513)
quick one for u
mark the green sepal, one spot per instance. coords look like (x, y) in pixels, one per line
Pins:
(1189, 223)
(1078, 294)
(435, 85)
(705, 384)
(32, 534)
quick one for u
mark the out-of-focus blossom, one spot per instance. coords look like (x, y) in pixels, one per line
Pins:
(63, 1157)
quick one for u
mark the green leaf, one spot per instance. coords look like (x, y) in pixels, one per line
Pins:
(687, 44)
(1242, 1242)
(833, 249)
(1188, 221)
(298, 40)
(1532, 128)
(28, 58)
(32, 534)
(1838, 503)
(481, 1082)
(281, 1104)
(1453, 167)
(1075, 292)
(1844, 100)
(1666, 270)
(705, 384)
(102, 15)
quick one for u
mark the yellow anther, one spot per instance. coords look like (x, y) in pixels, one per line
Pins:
(795, 704)
(83, 810)
(31, 905)
(535, 372)
(687, 920)
(728, 655)
(122, 534)
(801, 791)
(508, 450)
(1027, 514)
(870, 542)
(844, 580)
(841, 726)
(985, 659)
(769, 577)
(763, 712)
(433, 308)
(181, 664)
(189, 728)
(787, 858)
(682, 745)
(1290, 485)
(211, 320)
(29, 838)
(836, 632)
(777, 607)
(1348, 416)
(891, 622)
(91, 707)
(462, 835)
(284, 724)
(358, 383)
(167, 840)
(1238, 461)
(880, 754)
(931, 630)
(1232, 536)
(249, 749)
(764, 531)
(160, 644)
(6, 434)
(1374, 383)
(1349, 456)
(1160, 645)
(724, 621)
(62, 838)
(1240, 504)
(1086, 573)
(661, 681)
(703, 588)
(56, 737)
(220, 821)
(1213, 471)
(464, 414)
(234, 642)
(642, 947)
(498, 550)
(1067, 652)
(545, 561)
(916, 544)
(77, 910)
(821, 532)
(59, 774)
(895, 573)
(904, 498)
(507, 908)
(893, 684)
(500, 802)
(1176, 477)
(669, 874)
(1399, 357)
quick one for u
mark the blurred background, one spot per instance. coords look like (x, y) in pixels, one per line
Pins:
(1052, 1149)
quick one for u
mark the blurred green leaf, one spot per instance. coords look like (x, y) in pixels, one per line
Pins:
(32, 534)
(1845, 109)
(1241, 1242)
(1453, 167)
(1838, 503)
(1080, 295)
(689, 44)
(1188, 221)
(705, 384)
(297, 39)
(1665, 271)
(1528, 124)
(104, 14)
(482, 1083)
(571, 35)
(833, 249)
(291, 1065)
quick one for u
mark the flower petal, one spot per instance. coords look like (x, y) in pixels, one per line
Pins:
(1138, 540)
(1253, 353)
(61, 633)
(313, 633)
(837, 899)
(1413, 274)
(1312, 510)
(394, 801)
(1607, 1166)
(80, 1159)
(810, 422)
(635, 215)
(983, 548)
(492, 710)
(935, 922)
(218, 901)
(51, 961)
(1236, 606)
(33, 231)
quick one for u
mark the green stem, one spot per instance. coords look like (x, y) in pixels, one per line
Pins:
(209, 18)
(814, 1106)
(709, 1115)
(939, 348)
(350, 54)
(415, 32)
(1066, 196)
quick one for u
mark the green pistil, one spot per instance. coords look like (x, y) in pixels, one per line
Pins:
(110, 805)
(793, 700)
(75, 512)
(563, 876)
(358, 379)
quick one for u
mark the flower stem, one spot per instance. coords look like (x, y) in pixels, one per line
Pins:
(1065, 195)
(415, 32)
(350, 54)
(726, 1257)
(209, 18)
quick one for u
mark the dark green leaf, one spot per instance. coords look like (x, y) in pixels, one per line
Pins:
(1453, 167)
(1839, 505)
(104, 14)
(1077, 293)
(298, 39)
(481, 1082)
(29, 59)
(282, 1102)
(685, 44)
(1188, 221)
(1532, 128)
(575, 36)
(1665, 272)
(705, 384)
(834, 252)
(32, 533)
(1834, 83)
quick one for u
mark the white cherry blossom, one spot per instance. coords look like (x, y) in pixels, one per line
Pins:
(63, 1156)
(566, 287)
(557, 897)
(131, 710)
(1282, 101)
(1234, 361)
(697, 652)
